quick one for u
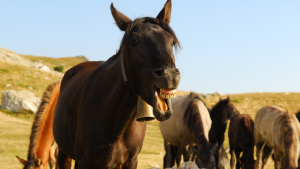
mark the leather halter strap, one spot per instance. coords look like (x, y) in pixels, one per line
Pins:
(125, 78)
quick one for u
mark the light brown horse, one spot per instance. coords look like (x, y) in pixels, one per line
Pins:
(280, 131)
(189, 125)
(41, 145)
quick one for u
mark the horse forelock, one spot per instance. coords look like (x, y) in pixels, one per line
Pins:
(192, 120)
(30, 164)
(138, 21)
(38, 120)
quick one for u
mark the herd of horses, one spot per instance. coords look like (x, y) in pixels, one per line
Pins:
(91, 113)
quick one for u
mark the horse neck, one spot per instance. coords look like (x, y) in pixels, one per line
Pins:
(41, 136)
(120, 98)
(218, 115)
(291, 152)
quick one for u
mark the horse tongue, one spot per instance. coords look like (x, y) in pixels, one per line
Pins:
(162, 104)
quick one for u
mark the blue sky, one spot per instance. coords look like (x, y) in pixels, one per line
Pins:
(230, 46)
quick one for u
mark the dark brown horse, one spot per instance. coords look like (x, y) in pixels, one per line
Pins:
(223, 111)
(94, 120)
(41, 145)
(241, 139)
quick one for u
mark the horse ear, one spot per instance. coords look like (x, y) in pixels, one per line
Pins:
(228, 98)
(194, 149)
(121, 20)
(38, 161)
(21, 160)
(227, 150)
(214, 148)
(220, 98)
(165, 13)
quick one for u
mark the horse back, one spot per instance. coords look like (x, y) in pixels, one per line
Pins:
(176, 130)
(241, 131)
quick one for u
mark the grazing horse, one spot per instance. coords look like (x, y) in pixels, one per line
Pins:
(223, 111)
(189, 125)
(241, 139)
(41, 145)
(94, 121)
(280, 131)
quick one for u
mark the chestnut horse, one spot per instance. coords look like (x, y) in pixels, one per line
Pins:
(189, 125)
(241, 139)
(94, 121)
(41, 144)
(279, 130)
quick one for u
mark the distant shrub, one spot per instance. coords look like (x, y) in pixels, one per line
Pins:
(59, 69)
(83, 58)
(237, 101)
(4, 70)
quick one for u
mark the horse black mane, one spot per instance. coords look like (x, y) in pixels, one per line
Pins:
(192, 120)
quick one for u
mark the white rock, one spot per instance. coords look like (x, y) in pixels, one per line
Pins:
(7, 85)
(20, 101)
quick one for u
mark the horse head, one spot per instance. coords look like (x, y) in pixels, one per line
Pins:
(32, 163)
(205, 160)
(229, 108)
(147, 59)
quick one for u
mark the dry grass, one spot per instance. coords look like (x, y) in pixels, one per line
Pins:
(67, 62)
(248, 103)
(14, 131)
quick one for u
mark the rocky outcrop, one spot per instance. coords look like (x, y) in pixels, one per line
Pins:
(20, 101)
(12, 57)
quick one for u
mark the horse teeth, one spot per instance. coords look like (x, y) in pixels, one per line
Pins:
(167, 96)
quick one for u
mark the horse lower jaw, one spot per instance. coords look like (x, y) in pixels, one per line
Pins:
(162, 115)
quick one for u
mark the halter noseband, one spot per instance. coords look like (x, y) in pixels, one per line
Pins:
(123, 69)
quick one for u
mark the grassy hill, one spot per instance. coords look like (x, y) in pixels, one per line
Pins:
(15, 128)
(31, 79)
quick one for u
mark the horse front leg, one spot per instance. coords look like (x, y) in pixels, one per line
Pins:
(187, 153)
(63, 161)
(237, 155)
(52, 158)
(232, 158)
(277, 160)
(267, 152)
(178, 156)
(259, 151)
(168, 156)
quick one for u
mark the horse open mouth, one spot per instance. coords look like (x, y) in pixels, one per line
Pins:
(163, 98)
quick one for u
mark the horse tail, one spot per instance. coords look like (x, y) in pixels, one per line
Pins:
(41, 136)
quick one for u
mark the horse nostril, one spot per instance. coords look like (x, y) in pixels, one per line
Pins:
(160, 71)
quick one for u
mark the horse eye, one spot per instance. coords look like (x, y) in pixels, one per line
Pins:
(133, 41)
